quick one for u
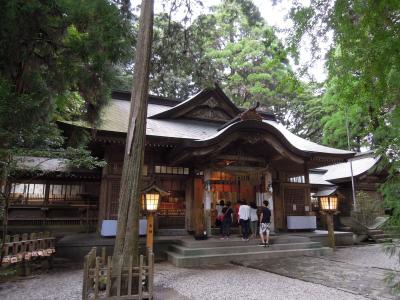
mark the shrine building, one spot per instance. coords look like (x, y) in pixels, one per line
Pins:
(201, 151)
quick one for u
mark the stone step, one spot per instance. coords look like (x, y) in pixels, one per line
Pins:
(244, 248)
(383, 240)
(344, 228)
(171, 232)
(393, 235)
(180, 260)
(379, 236)
(375, 231)
(215, 242)
(234, 230)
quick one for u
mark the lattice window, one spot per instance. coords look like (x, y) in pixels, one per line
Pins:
(296, 179)
(294, 201)
(115, 168)
(171, 170)
(27, 193)
(114, 195)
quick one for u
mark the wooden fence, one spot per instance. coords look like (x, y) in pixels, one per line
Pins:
(26, 248)
(101, 281)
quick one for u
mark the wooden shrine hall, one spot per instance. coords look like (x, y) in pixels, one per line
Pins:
(203, 150)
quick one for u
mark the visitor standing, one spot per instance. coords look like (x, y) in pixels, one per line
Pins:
(253, 220)
(265, 223)
(220, 215)
(236, 214)
(244, 220)
(227, 220)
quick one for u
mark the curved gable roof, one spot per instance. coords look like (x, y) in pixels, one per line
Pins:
(172, 120)
(209, 104)
(295, 143)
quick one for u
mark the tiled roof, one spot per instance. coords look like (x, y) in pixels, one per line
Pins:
(327, 191)
(115, 119)
(318, 179)
(341, 171)
(304, 144)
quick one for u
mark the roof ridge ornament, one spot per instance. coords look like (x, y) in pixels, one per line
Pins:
(251, 114)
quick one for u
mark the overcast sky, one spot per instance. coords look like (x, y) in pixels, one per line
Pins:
(275, 15)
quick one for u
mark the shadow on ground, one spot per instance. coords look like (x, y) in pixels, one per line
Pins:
(333, 271)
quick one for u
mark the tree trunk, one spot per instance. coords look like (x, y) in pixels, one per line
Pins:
(5, 160)
(126, 242)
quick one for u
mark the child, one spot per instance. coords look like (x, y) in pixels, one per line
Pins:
(253, 220)
(265, 223)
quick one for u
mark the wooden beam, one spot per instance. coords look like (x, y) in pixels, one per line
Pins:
(241, 158)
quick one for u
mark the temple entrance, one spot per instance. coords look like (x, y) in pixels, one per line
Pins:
(171, 213)
(234, 186)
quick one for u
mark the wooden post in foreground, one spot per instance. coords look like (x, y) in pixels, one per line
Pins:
(331, 232)
(150, 231)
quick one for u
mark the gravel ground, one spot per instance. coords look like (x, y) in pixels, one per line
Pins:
(222, 282)
(235, 282)
(60, 285)
(367, 256)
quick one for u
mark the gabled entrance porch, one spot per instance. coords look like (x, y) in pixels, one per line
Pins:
(245, 164)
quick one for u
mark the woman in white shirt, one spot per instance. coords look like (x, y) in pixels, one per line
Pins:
(253, 220)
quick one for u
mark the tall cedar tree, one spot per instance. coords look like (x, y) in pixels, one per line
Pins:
(126, 242)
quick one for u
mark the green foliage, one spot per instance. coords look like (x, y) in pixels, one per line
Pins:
(392, 279)
(251, 62)
(56, 61)
(25, 120)
(336, 115)
(233, 46)
(363, 82)
(362, 62)
(305, 113)
(7, 273)
(391, 192)
(82, 158)
(367, 210)
(78, 157)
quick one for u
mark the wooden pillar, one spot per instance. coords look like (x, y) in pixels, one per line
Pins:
(198, 211)
(46, 193)
(207, 202)
(279, 205)
(307, 191)
(267, 195)
(150, 231)
(306, 173)
(103, 198)
(190, 205)
(331, 233)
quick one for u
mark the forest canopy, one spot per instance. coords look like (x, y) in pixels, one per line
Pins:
(57, 60)
(61, 59)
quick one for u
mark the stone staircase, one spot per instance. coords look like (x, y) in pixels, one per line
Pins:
(191, 253)
(379, 236)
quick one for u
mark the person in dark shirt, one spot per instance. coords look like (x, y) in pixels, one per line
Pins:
(265, 223)
(227, 220)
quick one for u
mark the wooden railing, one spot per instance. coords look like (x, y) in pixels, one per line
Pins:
(53, 215)
(26, 248)
(101, 281)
